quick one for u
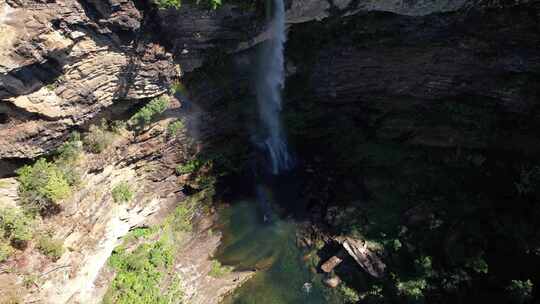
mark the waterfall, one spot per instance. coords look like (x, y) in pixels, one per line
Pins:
(269, 86)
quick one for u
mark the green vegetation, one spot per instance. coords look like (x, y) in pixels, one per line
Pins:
(214, 4)
(189, 167)
(142, 232)
(98, 138)
(174, 128)
(520, 291)
(15, 226)
(5, 250)
(45, 183)
(139, 274)
(145, 115)
(180, 219)
(142, 272)
(176, 4)
(349, 295)
(52, 86)
(218, 270)
(122, 193)
(50, 247)
(478, 264)
(118, 126)
(413, 290)
(30, 280)
(41, 187)
(42, 184)
(178, 87)
(164, 4)
(15, 231)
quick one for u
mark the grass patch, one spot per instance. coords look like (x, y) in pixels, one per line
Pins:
(50, 247)
(122, 193)
(218, 270)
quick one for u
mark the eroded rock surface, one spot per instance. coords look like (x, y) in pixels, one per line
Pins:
(62, 62)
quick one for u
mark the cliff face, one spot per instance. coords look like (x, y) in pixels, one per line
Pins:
(63, 62)
(457, 79)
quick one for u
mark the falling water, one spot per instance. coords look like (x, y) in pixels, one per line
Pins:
(269, 86)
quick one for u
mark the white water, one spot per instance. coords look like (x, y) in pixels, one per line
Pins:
(269, 86)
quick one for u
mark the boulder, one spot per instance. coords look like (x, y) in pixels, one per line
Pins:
(332, 281)
(368, 257)
(331, 263)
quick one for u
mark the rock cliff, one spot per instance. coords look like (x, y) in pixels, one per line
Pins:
(63, 62)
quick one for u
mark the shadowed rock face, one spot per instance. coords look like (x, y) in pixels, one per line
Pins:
(61, 63)
(458, 79)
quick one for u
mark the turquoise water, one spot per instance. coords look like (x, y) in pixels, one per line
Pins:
(282, 274)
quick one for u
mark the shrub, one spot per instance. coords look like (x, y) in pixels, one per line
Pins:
(164, 4)
(45, 183)
(174, 128)
(5, 250)
(349, 295)
(139, 274)
(15, 226)
(520, 291)
(219, 270)
(42, 185)
(98, 138)
(412, 289)
(189, 167)
(215, 4)
(478, 264)
(423, 266)
(145, 115)
(121, 193)
(141, 232)
(71, 149)
(50, 247)
(117, 126)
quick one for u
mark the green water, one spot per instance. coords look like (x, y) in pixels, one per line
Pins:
(250, 243)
